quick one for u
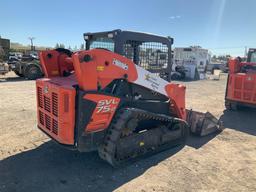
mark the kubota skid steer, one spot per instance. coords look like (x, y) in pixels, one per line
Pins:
(96, 99)
(241, 84)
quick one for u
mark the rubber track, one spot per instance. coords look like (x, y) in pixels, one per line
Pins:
(108, 149)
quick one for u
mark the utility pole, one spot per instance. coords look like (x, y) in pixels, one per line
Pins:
(31, 41)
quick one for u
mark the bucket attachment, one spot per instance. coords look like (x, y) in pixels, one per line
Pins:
(202, 124)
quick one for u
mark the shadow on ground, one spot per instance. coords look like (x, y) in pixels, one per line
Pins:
(53, 168)
(197, 141)
(243, 120)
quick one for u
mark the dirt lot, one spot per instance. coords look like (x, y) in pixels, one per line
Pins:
(29, 161)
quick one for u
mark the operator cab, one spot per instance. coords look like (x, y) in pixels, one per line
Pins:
(251, 56)
(149, 51)
(250, 65)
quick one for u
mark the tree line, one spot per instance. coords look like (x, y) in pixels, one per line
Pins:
(224, 58)
(75, 48)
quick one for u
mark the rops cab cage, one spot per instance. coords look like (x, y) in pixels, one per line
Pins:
(152, 52)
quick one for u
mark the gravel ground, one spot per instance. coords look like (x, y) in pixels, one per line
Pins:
(29, 161)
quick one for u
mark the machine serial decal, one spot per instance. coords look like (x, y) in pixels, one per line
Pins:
(105, 106)
(120, 64)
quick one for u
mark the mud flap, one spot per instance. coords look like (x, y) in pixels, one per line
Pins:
(202, 124)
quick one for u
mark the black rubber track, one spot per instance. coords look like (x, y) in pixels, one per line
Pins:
(110, 150)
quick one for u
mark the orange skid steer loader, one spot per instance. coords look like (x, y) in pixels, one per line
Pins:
(99, 99)
(241, 84)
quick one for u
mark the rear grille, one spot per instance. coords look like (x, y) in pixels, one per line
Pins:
(47, 122)
(237, 94)
(47, 104)
(238, 83)
(55, 104)
(55, 127)
(247, 96)
(41, 117)
(248, 86)
(40, 96)
(48, 110)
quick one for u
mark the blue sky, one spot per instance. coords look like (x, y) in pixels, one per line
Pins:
(223, 26)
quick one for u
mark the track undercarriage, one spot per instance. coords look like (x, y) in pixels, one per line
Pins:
(135, 133)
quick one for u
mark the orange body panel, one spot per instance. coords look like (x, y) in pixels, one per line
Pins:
(242, 88)
(103, 113)
(234, 66)
(103, 67)
(176, 93)
(54, 63)
(56, 108)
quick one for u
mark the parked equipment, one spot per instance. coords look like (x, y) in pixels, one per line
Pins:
(100, 100)
(4, 68)
(241, 84)
(27, 66)
(191, 62)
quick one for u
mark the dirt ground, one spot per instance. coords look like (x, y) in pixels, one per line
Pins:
(29, 161)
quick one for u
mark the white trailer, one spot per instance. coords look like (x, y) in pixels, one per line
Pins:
(193, 59)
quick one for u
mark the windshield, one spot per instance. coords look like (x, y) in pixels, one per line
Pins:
(102, 42)
(253, 57)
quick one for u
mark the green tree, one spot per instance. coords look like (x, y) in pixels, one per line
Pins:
(214, 57)
(57, 45)
(82, 47)
(62, 45)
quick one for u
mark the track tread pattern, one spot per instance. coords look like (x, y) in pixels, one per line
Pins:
(107, 151)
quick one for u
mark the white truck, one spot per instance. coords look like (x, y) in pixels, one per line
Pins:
(193, 60)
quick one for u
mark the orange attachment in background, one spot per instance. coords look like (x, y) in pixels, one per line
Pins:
(55, 63)
(103, 113)
(234, 65)
(242, 88)
(241, 85)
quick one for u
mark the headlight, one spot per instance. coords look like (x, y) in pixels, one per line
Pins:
(86, 37)
(110, 35)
